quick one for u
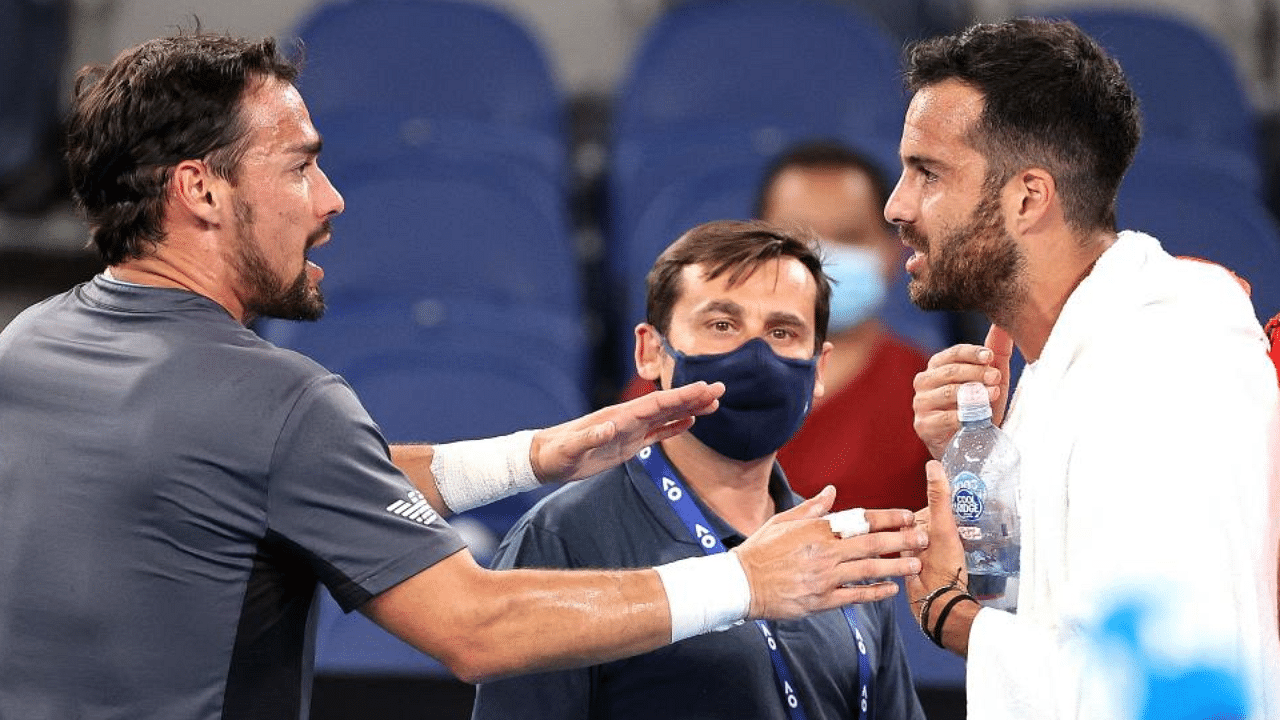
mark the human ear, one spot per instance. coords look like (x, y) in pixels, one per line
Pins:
(197, 191)
(819, 381)
(649, 352)
(1036, 191)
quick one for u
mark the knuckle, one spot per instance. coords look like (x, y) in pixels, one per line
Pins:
(921, 382)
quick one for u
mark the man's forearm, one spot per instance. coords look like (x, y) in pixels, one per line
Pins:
(459, 476)
(415, 462)
(485, 624)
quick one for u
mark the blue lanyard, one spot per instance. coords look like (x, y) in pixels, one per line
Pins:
(669, 484)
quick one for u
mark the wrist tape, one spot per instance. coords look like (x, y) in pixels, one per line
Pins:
(472, 473)
(705, 593)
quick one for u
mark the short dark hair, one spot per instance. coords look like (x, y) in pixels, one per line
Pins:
(1053, 98)
(738, 248)
(157, 104)
(821, 154)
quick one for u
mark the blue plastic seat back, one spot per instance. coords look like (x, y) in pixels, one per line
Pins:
(706, 61)
(1195, 212)
(32, 59)
(718, 82)
(368, 140)
(429, 57)
(352, 329)
(1189, 86)
(643, 165)
(473, 232)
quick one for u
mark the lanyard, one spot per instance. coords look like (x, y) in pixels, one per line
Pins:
(673, 490)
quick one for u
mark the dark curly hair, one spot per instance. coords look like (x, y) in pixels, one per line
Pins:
(157, 104)
(1052, 98)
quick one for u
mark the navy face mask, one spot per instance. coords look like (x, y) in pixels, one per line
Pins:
(766, 397)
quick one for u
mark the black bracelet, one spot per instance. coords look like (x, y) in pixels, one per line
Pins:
(936, 635)
(927, 603)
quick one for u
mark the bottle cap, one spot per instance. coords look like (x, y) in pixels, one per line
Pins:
(848, 523)
(973, 402)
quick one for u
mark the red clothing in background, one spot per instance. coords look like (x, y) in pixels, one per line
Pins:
(861, 439)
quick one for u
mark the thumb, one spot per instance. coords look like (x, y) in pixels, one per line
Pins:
(815, 507)
(941, 519)
(1000, 343)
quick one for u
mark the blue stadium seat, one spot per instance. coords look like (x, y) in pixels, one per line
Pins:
(352, 328)
(643, 165)
(422, 58)
(385, 78)
(32, 57)
(358, 142)
(457, 230)
(1193, 211)
(1190, 89)
(707, 60)
(716, 81)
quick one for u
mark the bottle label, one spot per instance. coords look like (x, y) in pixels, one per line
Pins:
(968, 497)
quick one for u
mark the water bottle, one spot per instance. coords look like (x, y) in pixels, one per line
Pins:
(982, 465)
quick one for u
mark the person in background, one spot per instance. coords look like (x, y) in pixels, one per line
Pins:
(173, 487)
(859, 436)
(1147, 416)
(743, 303)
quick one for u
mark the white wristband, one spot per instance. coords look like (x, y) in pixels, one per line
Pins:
(472, 473)
(705, 593)
(848, 523)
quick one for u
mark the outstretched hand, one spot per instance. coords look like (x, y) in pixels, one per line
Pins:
(609, 436)
(937, 416)
(795, 565)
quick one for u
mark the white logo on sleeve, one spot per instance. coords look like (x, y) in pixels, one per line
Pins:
(415, 508)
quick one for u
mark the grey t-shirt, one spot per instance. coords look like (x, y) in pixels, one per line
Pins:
(172, 488)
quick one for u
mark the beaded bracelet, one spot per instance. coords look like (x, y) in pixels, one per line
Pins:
(936, 635)
(928, 602)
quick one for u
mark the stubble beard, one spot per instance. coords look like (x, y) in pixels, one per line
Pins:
(974, 267)
(265, 296)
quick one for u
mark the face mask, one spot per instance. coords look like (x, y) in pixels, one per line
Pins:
(859, 288)
(766, 397)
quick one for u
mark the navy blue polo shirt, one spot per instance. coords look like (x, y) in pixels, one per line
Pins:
(620, 520)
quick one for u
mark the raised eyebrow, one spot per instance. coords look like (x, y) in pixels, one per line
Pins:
(727, 307)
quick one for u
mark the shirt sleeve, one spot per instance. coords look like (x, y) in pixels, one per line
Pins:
(336, 496)
(562, 695)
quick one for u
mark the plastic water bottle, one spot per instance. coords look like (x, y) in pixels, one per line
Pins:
(982, 465)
